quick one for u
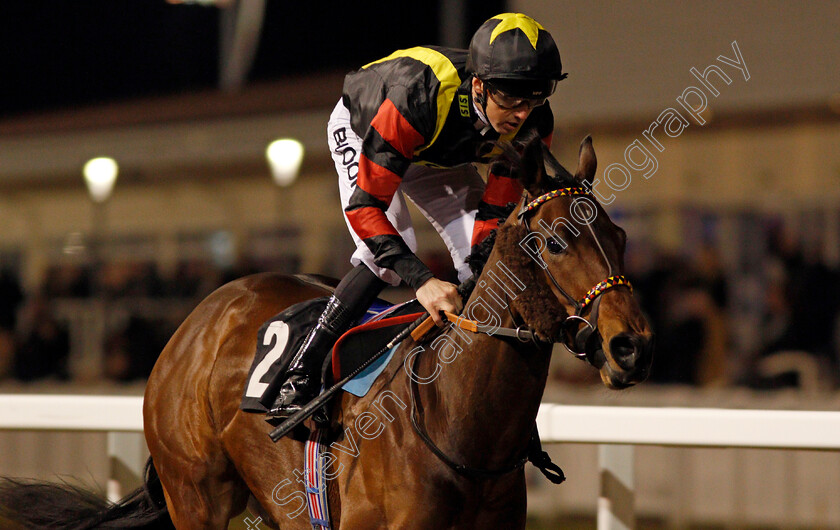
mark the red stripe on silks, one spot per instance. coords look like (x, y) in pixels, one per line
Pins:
(392, 321)
(481, 229)
(501, 190)
(370, 221)
(378, 181)
(547, 140)
(395, 129)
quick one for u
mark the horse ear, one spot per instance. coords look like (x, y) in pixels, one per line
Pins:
(533, 176)
(587, 163)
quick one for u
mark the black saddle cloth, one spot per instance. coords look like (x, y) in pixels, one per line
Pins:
(281, 336)
(277, 341)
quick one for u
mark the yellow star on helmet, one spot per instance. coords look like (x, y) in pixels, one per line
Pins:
(509, 21)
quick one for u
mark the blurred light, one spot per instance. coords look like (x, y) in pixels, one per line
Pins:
(74, 243)
(284, 158)
(100, 176)
(223, 249)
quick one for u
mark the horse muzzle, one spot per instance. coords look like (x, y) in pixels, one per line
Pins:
(628, 359)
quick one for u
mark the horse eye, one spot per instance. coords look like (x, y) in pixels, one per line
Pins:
(554, 245)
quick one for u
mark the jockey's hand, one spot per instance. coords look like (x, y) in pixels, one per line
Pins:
(436, 296)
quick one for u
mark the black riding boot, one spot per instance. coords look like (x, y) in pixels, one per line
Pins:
(353, 295)
(303, 380)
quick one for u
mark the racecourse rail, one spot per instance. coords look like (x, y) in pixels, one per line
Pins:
(615, 429)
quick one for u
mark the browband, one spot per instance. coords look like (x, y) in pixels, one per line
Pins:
(562, 192)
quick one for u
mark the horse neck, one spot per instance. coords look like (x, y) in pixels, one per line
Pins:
(485, 401)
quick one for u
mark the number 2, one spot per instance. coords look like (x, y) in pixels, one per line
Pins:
(277, 329)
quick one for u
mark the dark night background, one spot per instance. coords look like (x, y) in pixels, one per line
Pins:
(62, 53)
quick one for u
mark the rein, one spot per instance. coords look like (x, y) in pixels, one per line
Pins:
(521, 333)
(461, 469)
(533, 451)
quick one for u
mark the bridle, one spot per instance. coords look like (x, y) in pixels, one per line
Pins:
(584, 343)
(582, 348)
(587, 339)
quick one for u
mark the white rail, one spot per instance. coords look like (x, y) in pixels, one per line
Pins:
(618, 429)
(121, 417)
(690, 427)
(59, 412)
(615, 429)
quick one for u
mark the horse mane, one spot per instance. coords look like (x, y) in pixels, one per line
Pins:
(561, 176)
(537, 306)
(509, 162)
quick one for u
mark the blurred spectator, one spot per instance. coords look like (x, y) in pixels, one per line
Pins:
(44, 349)
(684, 304)
(801, 308)
(243, 267)
(69, 281)
(709, 269)
(649, 269)
(194, 279)
(691, 341)
(11, 296)
(7, 353)
(811, 293)
(695, 305)
(130, 278)
(132, 352)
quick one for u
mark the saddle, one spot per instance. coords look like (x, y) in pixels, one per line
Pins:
(281, 336)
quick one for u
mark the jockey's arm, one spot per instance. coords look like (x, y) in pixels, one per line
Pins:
(386, 153)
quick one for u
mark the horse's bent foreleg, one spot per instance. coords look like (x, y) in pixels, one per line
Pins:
(270, 471)
(207, 503)
(201, 486)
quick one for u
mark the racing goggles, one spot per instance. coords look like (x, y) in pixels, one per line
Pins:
(508, 102)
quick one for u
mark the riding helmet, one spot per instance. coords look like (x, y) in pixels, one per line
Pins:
(515, 54)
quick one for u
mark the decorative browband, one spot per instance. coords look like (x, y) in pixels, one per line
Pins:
(605, 285)
(550, 195)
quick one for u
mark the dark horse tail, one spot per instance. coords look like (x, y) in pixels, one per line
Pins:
(28, 504)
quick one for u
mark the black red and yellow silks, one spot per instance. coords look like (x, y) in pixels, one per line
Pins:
(415, 107)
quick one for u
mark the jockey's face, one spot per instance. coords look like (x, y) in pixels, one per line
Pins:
(505, 113)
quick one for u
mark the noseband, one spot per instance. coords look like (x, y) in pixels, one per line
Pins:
(580, 346)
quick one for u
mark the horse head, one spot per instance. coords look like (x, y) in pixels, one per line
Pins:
(562, 244)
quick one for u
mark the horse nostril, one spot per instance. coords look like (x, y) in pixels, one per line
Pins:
(624, 349)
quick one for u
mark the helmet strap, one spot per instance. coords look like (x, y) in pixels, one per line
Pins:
(481, 99)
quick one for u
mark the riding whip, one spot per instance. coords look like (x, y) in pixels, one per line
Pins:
(295, 419)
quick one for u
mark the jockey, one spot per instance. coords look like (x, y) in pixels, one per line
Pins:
(412, 124)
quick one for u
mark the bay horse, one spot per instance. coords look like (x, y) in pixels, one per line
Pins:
(437, 441)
